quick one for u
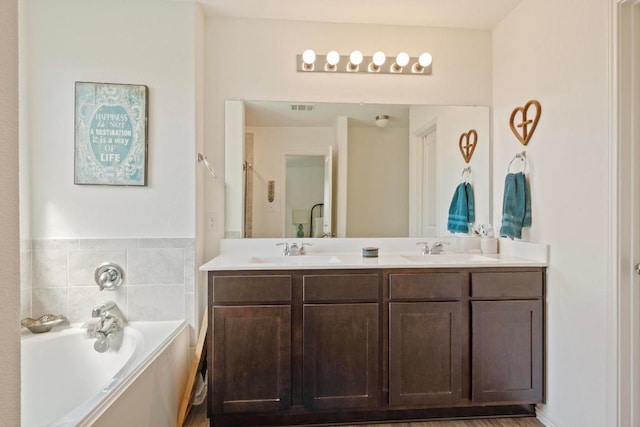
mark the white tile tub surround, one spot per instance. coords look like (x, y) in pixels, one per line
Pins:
(58, 277)
(156, 266)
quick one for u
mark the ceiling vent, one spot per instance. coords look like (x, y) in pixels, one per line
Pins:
(303, 107)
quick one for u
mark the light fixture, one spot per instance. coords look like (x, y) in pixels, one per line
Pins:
(401, 61)
(382, 120)
(333, 58)
(424, 60)
(333, 62)
(308, 58)
(377, 60)
(355, 59)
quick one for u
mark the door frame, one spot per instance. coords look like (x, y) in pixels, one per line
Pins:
(416, 172)
(624, 299)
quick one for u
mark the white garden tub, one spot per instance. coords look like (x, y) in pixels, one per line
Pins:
(65, 382)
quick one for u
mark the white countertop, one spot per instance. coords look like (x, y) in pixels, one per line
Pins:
(351, 261)
(262, 254)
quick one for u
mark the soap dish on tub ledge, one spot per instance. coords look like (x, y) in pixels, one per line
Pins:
(43, 323)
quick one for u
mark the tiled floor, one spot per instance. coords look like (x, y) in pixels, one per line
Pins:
(198, 418)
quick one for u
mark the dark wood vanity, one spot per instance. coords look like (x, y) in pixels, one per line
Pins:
(327, 346)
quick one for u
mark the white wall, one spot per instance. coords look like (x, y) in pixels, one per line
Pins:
(156, 43)
(255, 60)
(378, 182)
(557, 53)
(9, 223)
(140, 42)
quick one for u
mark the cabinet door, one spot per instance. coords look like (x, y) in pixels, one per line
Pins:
(251, 358)
(340, 361)
(507, 351)
(425, 359)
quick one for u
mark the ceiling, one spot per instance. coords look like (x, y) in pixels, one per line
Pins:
(475, 14)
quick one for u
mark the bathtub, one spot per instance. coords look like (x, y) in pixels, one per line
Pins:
(65, 382)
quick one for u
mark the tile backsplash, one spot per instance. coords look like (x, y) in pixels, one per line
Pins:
(159, 277)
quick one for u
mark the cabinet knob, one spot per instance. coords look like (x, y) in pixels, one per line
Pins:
(638, 268)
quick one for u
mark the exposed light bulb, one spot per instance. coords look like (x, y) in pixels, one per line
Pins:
(402, 59)
(333, 58)
(308, 56)
(356, 57)
(425, 59)
(376, 61)
(379, 58)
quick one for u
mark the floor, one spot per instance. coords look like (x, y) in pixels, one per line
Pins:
(198, 418)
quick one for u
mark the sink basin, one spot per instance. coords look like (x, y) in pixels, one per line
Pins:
(448, 258)
(296, 260)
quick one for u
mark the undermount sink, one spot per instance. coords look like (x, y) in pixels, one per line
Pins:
(448, 258)
(296, 260)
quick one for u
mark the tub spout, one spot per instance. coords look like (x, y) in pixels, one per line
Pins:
(102, 309)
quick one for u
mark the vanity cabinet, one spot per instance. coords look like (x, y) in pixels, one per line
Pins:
(425, 339)
(507, 339)
(251, 325)
(341, 341)
(331, 346)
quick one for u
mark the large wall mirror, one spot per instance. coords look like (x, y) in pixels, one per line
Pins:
(330, 169)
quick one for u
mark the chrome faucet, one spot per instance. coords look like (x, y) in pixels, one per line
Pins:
(424, 249)
(106, 327)
(293, 249)
(298, 248)
(285, 248)
(437, 248)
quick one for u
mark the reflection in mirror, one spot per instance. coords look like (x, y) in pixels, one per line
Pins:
(395, 181)
(304, 194)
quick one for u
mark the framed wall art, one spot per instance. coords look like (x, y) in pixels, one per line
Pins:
(111, 134)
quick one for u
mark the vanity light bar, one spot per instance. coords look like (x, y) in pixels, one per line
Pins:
(378, 63)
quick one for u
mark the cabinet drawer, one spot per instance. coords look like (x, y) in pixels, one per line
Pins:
(425, 286)
(507, 285)
(251, 289)
(340, 287)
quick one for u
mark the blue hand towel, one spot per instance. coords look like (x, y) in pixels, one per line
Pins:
(516, 206)
(461, 209)
(471, 215)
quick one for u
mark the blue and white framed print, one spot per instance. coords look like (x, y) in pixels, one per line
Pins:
(111, 134)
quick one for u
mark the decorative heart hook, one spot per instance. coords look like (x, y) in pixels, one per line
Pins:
(527, 132)
(467, 144)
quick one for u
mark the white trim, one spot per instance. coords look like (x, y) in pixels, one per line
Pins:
(545, 419)
(621, 387)
(415, 177)
(612, 403)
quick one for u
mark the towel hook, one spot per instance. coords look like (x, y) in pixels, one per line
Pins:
(203, 159)
(523, 158)
(466, 171)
